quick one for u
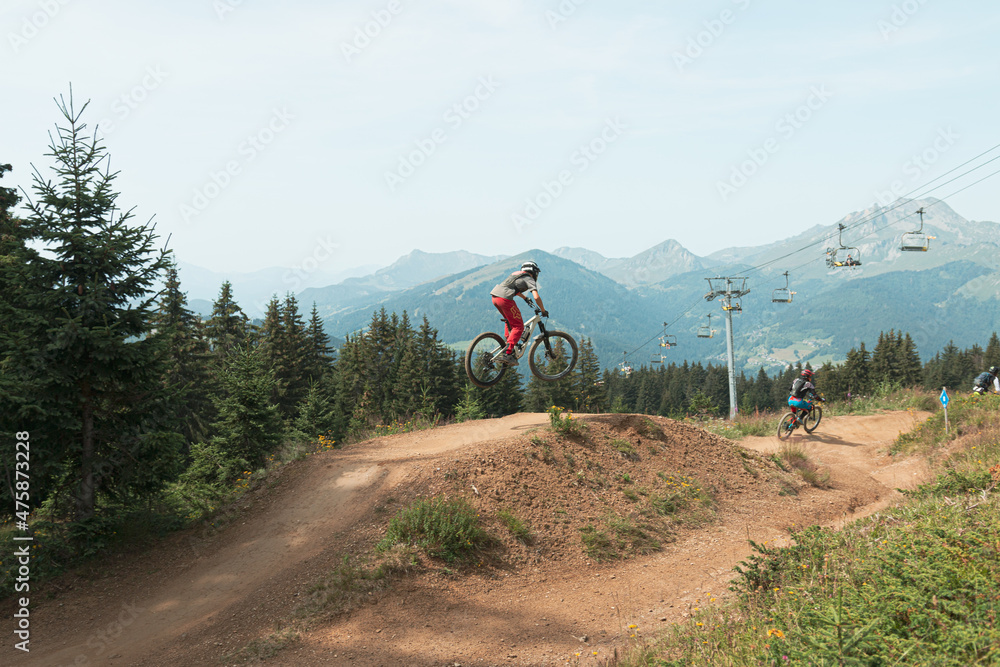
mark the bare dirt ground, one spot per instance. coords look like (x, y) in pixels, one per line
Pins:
(202, 595)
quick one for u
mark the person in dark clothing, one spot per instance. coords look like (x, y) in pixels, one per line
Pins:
(516, 284)
(802, 394)
(987, 381)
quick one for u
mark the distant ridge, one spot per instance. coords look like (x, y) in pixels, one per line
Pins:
(950, 292)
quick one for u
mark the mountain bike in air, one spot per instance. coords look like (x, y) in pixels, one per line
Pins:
(551, 354)
(808, 420)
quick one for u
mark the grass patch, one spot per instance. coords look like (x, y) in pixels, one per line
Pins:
(756, 424)
(620, 536)
(967, 414)
(570, 460)
(886, 396)
(446, 528)
(625, 448)
(267, 646)
(792, 458)
(597, 544)
(517, 528)
(632, 537)
(682, 499)
(417, 423)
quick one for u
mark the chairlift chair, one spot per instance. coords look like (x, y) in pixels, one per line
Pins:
(706, 330)
(734, 305)
(916, 241)
(624, 368)
(835, 256)
(782, 294)
(668, 341)
(656, 359)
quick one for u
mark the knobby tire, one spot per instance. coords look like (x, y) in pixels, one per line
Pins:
(812, 419)
(539, 355)
(478, 367)
(783, 426)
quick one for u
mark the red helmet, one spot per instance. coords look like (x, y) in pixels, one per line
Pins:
(806, 373)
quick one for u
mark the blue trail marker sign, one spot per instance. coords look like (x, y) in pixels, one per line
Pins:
(944, 401)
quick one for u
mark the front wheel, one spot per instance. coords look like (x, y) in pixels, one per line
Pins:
(786, 426)
(552, 356)
(813, 419)
(479, 364)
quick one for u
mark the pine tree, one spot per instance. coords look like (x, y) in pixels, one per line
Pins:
(505, 397)
(97, 371)
(411, 388)
(249, 424)
(911, 370)
(293, 366)
(782, 385)
(18, 281)
(229, 326)
(829, 381)
(763, 391)
(469, 407)
(536, 396)
(320, 357)
(316, 415)
(857, 373)
(589, 392)
(187, 378)
(950, 368)
(441, 370)
(992, 355)
(348, 386)
(883, 361)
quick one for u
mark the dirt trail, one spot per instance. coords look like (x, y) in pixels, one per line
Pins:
(199, 597)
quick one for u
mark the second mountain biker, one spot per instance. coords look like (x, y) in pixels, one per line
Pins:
(802, 393)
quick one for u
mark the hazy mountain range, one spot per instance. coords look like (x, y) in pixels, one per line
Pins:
(950, 292)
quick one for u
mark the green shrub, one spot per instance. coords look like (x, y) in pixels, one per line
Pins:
(446, 528)
(561, 421)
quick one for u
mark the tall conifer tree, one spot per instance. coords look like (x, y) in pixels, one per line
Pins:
(187, 377)
(229, 326)
(98, 368)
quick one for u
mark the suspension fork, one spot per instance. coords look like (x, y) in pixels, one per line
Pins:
(545, 339)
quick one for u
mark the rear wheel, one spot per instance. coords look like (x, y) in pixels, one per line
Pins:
(786, 426)
(552, 356)
(813, 419)
(479, 364)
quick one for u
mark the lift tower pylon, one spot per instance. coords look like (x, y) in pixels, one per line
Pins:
(728, 288)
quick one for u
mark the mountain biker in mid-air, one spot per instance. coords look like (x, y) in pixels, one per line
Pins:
(802, 394)
(516, 284)
(987, 381)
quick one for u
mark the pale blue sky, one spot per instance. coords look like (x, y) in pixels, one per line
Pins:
(184, 86)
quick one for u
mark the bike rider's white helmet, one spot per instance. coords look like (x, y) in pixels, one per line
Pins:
(532, 268)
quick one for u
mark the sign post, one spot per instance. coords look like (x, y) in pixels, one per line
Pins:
(944, 401)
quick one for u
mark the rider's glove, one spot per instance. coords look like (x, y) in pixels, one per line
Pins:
(545, 313)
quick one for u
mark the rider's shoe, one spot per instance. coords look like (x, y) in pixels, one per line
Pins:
(509, 358)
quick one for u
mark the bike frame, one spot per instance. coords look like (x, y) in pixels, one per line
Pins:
(529, 328)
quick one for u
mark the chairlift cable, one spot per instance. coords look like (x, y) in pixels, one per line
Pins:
(867, 219)
(883, 211)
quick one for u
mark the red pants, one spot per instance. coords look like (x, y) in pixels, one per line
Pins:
(514, 326)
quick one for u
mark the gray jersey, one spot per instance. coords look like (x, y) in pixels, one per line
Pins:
(514, 284)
